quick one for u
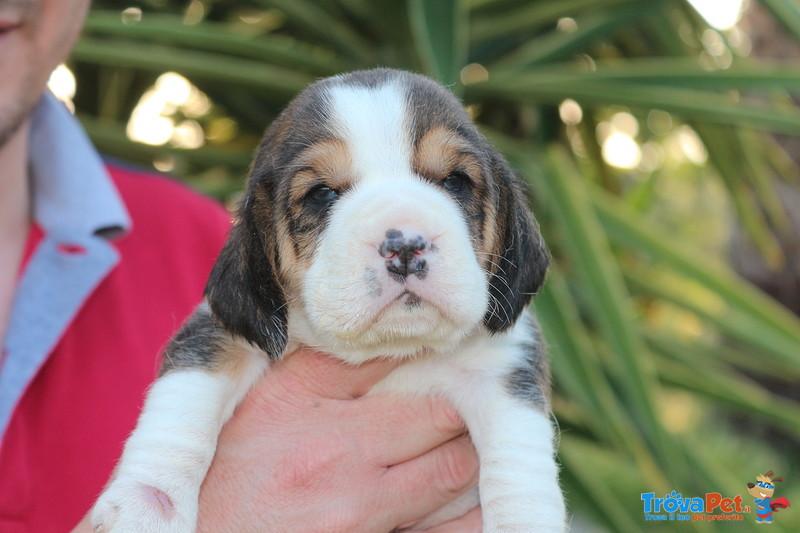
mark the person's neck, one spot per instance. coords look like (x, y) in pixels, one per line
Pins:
(15, 215)
(14, 188)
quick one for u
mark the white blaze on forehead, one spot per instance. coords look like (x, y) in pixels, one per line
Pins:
(374, 124)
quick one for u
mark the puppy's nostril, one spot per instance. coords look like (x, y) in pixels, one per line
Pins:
(417, 244)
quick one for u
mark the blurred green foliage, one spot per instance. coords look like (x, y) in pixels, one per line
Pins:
(659, 350)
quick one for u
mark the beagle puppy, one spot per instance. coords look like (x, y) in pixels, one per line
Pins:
(377, 223)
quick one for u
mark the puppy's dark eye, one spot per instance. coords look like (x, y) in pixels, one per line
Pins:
(322, 194)
(456, 182)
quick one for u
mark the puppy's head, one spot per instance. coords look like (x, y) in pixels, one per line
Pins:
(381, 221)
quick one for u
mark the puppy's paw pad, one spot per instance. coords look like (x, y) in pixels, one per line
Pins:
(159, 500)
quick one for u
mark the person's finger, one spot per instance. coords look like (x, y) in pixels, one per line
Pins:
(324, 376)
(429, 482)
(472, 522)
(413, 426)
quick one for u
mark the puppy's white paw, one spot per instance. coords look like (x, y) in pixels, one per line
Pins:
(131, 506)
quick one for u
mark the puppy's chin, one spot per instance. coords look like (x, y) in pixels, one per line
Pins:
(399, 330)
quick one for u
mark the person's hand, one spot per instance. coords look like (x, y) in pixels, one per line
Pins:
(307, 451)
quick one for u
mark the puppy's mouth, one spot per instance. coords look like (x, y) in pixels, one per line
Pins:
(407, 301)
(409, 298)
(406, 309)
(763, 494)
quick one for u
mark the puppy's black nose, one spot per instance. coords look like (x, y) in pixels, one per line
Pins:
(403, 255)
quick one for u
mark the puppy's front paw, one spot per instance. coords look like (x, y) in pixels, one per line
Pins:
(131, 506)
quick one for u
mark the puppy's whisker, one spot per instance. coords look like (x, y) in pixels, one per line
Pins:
(501, 257)
(498, 306)
(494, 264)
(503, 280)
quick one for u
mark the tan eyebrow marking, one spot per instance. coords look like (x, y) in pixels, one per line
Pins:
(330, 158)
(327, 162)
(441, 151)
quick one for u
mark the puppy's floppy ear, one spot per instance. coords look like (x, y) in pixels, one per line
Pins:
(523, 258)
(243, 290)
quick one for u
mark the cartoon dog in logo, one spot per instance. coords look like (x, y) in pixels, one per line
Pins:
(762, 490)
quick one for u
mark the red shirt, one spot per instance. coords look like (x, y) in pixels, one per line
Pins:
(68, 429)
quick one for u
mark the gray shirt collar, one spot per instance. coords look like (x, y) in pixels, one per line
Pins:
(75, 202)
(73, 193)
